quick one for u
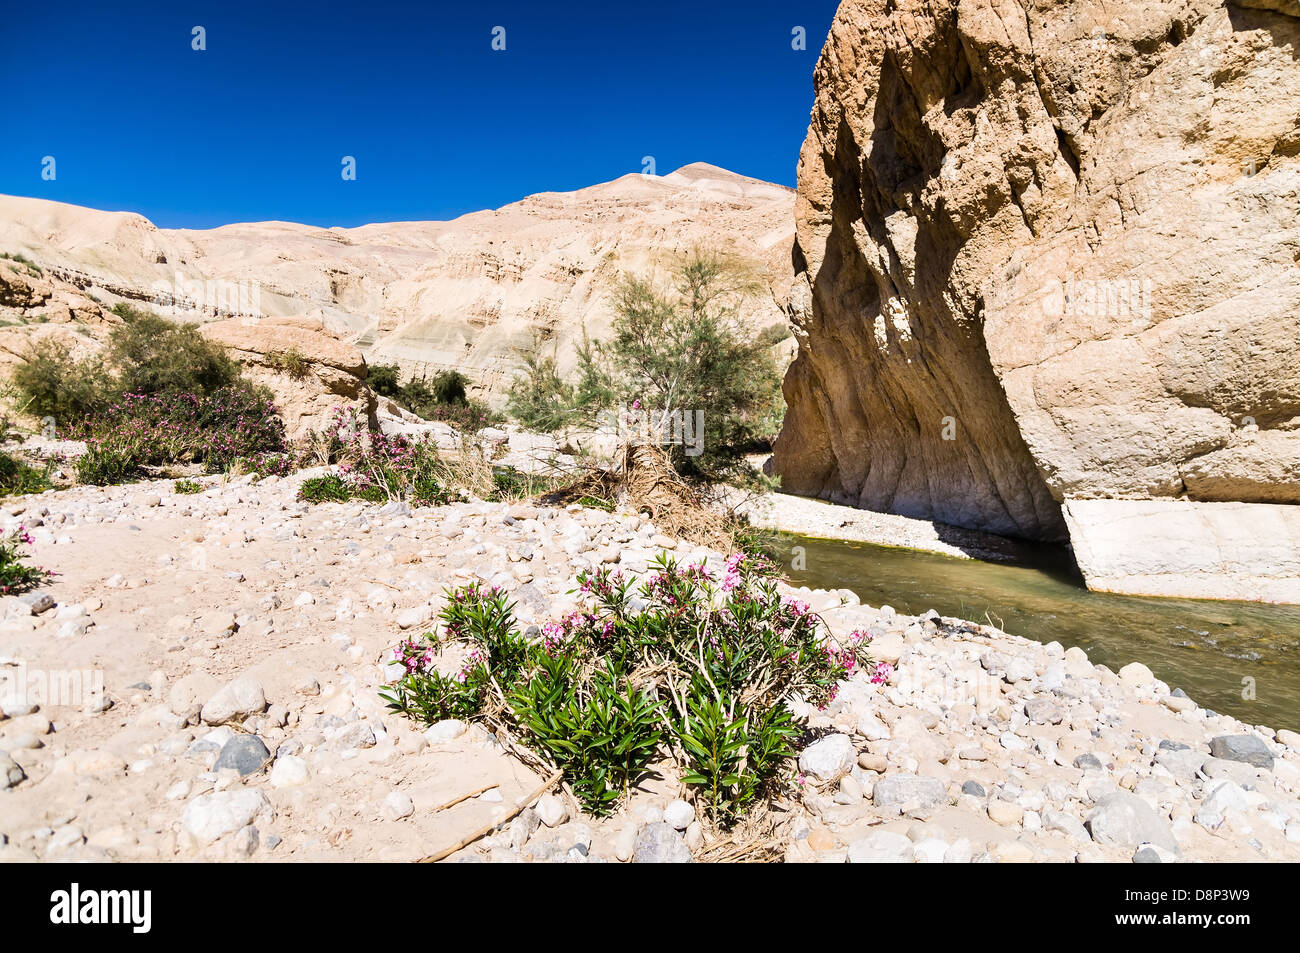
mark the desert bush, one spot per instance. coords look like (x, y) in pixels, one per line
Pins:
(187, 487)
(443, 397)
(539, 398)
(324, 489)
(385, 380)
(687, 666)
(144, 430)
(683, 351)
(54, 384)
(153, 355)
(675, 352)
(291, 361)
(377, 467)
(17, 477)
(15, 575)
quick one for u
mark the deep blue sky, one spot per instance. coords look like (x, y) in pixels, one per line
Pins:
(255, 127)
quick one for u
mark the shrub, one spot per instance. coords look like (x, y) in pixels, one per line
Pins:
(378, 467)
(539, 398)
(15, 577)
(266, 464)
(443, 397)
(56, 385)
(17, 477)
(153, 355)
(154, 429)
(292, 362)
(385, 380)
(690, 667)
(684, 351)
(187, 487)
(106, 466)
(679, 351)
(324, 489)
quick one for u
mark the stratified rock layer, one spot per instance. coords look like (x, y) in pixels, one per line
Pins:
(1048, 251)
(467, 294)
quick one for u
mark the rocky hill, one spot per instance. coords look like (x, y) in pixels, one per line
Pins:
(462, 294)
(1048, 282)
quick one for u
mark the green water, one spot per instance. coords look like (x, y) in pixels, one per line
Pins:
(1240, 658)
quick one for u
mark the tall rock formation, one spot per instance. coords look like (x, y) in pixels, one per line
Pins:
(1047, 251)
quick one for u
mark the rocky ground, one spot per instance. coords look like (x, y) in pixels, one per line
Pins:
(241, 638)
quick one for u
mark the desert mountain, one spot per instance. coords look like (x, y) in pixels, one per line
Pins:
(427, 295)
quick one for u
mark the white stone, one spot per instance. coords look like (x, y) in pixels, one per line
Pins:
(679, 814)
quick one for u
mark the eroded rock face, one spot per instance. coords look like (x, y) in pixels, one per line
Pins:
(464, 294)
(332, 373)
(1047, 252)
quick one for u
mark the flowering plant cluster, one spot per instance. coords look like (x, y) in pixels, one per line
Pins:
(377, 467)
(15, 576)
(154, 429)
(684, 665)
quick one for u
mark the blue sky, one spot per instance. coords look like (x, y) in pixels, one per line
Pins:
(256, 126)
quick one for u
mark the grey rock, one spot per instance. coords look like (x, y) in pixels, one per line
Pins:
(1245, 748)
(1066, 824)
(10, 773)
(1044, 711)
(1125, 820)
(829, 758)
(38, 601)
(1180, 762)
(211, 816)
(881, 847)
(973, 788)
(524, 827)
(244, 753)
(901, 791)
(358, 735)
(660, 844)
(1146, 855)
(1088, 762)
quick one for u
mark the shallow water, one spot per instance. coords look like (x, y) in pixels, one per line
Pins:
(1239, 658)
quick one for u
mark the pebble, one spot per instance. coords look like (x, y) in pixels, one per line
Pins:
(678, 814)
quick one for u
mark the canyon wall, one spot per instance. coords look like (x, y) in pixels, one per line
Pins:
(1047, 251)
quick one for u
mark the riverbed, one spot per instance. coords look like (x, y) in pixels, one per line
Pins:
(1240, 658)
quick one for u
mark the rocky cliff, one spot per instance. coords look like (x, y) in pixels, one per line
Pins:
(1048, 251)
(463, 294)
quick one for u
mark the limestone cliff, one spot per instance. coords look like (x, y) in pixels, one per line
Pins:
(1048, 250)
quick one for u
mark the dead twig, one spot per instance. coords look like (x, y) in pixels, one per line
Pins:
(464, 797)
(484, 831)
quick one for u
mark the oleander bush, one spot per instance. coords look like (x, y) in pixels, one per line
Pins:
(17, 477)
(143, 430)
(377, 467)
(15, 575)
(684, 666)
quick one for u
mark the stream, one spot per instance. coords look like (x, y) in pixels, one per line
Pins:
(1239, 658)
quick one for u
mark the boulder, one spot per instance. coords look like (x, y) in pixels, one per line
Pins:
(310, 370)
(1125, 820)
